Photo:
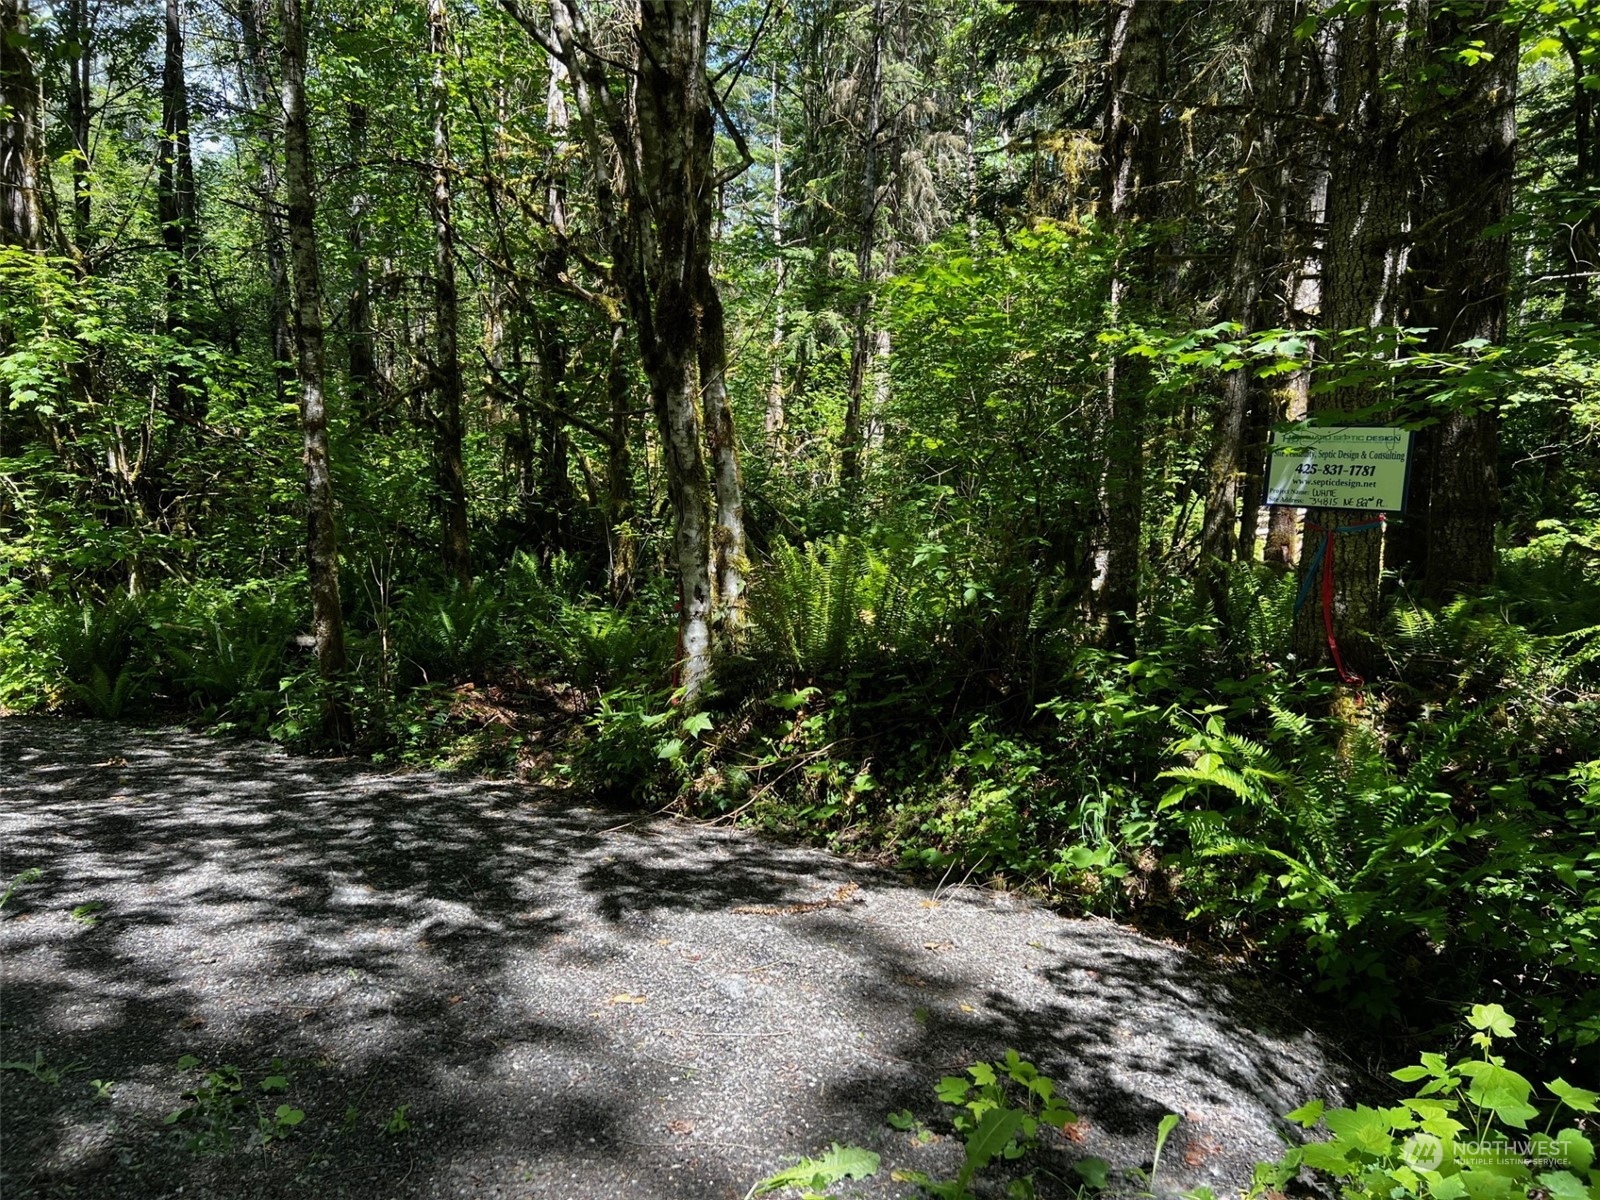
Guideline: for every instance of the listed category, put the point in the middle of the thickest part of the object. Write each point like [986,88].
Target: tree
[1257,232]
[1131,165]
[176,210]
[322,543]
[650,143]
[866,246]
[1460,275]
[1369,222]
[22,181]
[255,70]
[445,417]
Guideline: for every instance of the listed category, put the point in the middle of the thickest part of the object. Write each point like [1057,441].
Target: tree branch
[531,27]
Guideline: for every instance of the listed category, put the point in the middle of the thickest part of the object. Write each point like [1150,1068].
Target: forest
[852,418]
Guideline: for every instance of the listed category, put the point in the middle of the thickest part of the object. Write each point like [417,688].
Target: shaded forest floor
[473,987]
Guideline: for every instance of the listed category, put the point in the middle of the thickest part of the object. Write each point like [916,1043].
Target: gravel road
[557,1001]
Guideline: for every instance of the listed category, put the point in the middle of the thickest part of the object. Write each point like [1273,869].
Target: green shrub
[836,606]
[1368,867]
[1470,1132]
[94,657]
[450,636]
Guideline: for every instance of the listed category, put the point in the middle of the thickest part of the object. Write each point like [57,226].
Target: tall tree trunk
[176,205]
[80,62]
[728,563]
[1460,273]
[774,415]
[448,460]
[1576,254]
[651,145]
[254,18]
[1256,231]
[364,385]
[1132,165]
[619,470]
[1369,198]
[1283,522]
[861,347]
[22,207]
[322,547]
[1304,228]
[552,502]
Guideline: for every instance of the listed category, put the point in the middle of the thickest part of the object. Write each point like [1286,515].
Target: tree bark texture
[22,207]
[365,392]
[866,245]
[322,548]
[650,141]
[175,202]
[621,538]
[1257,228]
[254,18]
[1132,157]
[449,463]
[1460,272]
[80,62]
[773,422]
[1369,226]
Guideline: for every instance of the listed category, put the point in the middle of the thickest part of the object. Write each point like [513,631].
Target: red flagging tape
[1349,678]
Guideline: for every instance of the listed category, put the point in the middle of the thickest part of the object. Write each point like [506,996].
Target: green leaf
[789,700]
[840,1162]
[1564,1185]
[1573,1149]
[1493,1018]
[290,1116]
[993,1134]
[1093,1171]
[1501,1090]
[902,1120]
[982,1074]
[1163,1132]
[1410,1074]
[1306,1115]
[1332,1157]
[952,1089]
[1362,1128]
[275,1083]
[1580,1099]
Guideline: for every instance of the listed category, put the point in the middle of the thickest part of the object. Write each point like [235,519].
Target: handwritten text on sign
[1328,466]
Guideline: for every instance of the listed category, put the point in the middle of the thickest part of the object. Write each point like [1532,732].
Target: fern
[834,607]
[455,635]
[105,696]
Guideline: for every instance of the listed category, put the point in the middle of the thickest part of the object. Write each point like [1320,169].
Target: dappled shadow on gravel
[473,988]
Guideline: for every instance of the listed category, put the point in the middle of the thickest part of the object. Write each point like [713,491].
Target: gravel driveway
[474,989]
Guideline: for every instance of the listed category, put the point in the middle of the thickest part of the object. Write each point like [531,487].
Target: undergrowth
[1442,843]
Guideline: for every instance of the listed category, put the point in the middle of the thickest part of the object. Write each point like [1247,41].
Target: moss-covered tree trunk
[322,544]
